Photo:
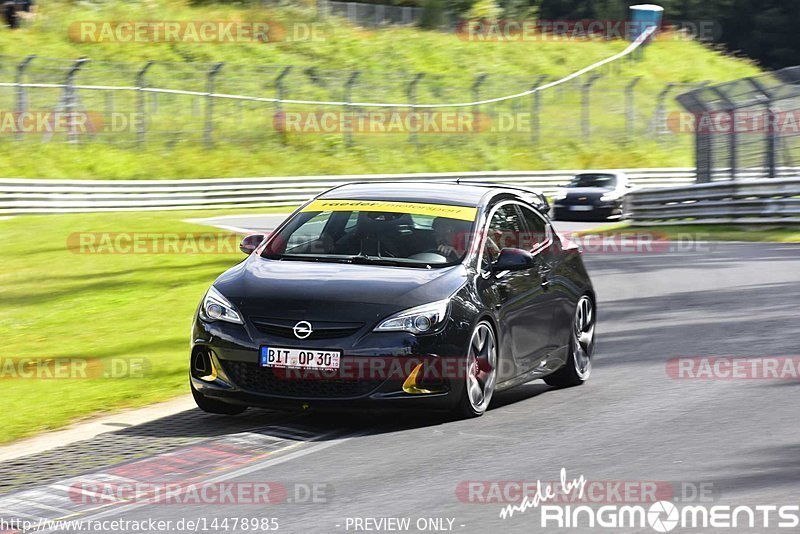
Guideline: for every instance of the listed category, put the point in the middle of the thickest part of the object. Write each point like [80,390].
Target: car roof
[448,193]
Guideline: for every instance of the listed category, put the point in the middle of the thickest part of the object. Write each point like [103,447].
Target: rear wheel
[579,363]
[215,406]
[481,372]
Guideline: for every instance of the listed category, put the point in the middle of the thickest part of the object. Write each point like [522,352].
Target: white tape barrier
[633,46]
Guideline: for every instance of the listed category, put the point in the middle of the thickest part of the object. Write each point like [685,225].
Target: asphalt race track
[737,440]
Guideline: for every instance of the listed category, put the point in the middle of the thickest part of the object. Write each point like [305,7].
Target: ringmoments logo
[661,516]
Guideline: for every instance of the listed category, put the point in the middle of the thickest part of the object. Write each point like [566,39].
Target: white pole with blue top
[644,17]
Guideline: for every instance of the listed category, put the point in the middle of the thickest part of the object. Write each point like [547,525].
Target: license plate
[291,358]
[581,208]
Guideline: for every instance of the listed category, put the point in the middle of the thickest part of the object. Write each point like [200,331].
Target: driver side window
[504,231]
[537,233]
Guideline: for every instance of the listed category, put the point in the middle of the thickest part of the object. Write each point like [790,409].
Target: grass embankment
[247,144]
[59,302]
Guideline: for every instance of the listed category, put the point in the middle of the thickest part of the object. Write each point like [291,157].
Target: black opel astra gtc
[396,295]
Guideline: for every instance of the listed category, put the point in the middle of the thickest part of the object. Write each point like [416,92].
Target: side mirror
[513,259]
[543,206]
[251,242]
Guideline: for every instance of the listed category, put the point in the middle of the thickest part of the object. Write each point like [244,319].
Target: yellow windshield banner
[463,213]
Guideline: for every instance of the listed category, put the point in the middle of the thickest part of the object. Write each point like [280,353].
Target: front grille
[253,377]
[580,199]
[320,330]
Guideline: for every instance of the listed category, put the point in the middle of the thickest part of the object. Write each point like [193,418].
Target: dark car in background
[592,196]
[396,295]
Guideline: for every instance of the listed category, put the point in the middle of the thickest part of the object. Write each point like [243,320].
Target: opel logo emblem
[302,329]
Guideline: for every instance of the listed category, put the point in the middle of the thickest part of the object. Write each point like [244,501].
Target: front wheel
[480,372]
[581,346]
[215,406]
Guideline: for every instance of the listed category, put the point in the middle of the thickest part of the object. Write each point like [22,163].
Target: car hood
[300,290]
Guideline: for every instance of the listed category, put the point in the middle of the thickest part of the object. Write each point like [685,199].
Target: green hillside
[245,141]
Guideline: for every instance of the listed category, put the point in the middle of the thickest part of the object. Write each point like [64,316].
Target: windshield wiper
[379,260]
[304,257]
[361,259]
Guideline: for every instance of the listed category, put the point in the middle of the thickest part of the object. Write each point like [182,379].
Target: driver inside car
[451,237]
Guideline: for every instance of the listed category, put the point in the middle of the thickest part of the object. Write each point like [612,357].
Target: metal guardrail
[739,202]
[22,196]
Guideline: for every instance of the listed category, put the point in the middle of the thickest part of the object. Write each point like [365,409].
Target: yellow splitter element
[464,213]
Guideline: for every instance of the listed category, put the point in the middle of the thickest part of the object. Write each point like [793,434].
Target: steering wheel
[452,255]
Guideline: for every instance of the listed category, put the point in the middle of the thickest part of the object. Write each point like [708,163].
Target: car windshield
[606,181]
[405,234]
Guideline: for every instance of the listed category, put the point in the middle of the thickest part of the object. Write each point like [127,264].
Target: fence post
[347,126]
[71,99]
[729,108]
[536,109]
[280,94]
[586,112]
[771,134]
[660,117]
[22,94]
[770,130]
[380,14]
[630,107]
[476,96]
[323,9]
[208,130]
[141,107]
[411,91]
[109,101]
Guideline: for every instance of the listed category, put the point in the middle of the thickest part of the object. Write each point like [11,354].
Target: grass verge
[59,301]
[247,144]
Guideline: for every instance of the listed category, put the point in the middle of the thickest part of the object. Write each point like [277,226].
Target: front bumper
[606,210]
[375,368]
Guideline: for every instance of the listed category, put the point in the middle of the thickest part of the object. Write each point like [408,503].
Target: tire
[215,406]
[480,372]
[581,346]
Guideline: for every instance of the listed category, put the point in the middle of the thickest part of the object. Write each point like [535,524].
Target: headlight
[560,195]
[608,197]
[215,307]
[417,320]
